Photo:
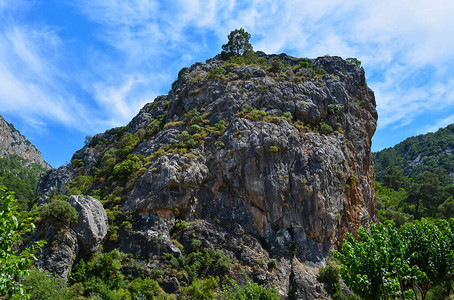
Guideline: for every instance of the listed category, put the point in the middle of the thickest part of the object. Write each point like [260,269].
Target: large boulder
[66,244]
[92,224]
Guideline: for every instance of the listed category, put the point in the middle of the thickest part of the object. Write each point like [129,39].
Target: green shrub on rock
[44,286]
[200,289]
[330,275]
[251,290]
[325,128]
[58,211]
[131,164]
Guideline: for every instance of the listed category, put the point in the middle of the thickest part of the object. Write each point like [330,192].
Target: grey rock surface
[92,224]
[66,244]
[60,251]
[288,185]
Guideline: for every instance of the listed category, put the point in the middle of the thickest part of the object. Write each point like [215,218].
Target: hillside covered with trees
[415,178]
[20,164]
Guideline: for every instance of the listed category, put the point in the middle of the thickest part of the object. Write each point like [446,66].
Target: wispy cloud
[120,101]
[439,124]
[28,85]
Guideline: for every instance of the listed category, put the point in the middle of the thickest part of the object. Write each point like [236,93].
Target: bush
[330,276]
[219,144]
[147,288]
[353,60]
[220,263]
[272,263]
[58,211]
[325,128]
[276,65]
[195,244]
[288,115]
[80,185]
[201,289]
[44,286]
[314,68]
[181,225]
[333,109]
[195,129]
[216,72]
[249,112]
[250,290]
[220,126]
[127,167]
[186,141]
[156,125]
[127,143]
[273,149]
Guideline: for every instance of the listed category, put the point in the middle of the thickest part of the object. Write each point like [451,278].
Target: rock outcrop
[13,142]
[259,162]
[65,244]
[92,224]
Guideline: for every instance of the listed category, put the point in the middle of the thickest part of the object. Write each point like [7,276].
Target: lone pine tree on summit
[238,43]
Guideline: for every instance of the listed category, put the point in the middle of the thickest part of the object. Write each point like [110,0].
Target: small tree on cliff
[238,44]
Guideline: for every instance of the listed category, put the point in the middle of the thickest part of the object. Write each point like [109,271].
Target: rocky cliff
[264,160]
[13,142]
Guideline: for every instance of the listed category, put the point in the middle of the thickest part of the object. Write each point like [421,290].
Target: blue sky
[71,68]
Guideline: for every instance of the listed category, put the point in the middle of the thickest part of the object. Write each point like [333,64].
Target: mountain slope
[415,155]
[20,163]
[260,161]
[13,142]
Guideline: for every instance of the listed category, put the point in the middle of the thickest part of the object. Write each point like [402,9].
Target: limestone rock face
[92,223]
[259,164]
[65,244]
[13,142]
[60,251]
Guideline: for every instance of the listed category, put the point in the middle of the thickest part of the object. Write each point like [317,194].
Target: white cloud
[123,100]
[27,83]
[439,124]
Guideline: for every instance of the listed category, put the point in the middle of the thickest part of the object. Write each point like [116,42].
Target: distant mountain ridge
[414,155]
[13,142]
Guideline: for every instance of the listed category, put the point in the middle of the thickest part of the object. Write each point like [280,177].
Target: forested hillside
[20,164]
[19,176]
[415,155]
[415,178]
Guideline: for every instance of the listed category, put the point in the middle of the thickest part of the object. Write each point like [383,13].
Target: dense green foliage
[44,286]
[389,263]
[104,276]
[251,290]
[402,199]
[14,264]
[58,212]
[414,178]
[19,176]
[330,276]
[116,275]
[238,43]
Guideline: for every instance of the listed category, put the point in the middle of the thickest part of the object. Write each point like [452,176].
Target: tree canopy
[14,264]
[238,43]
[386,263]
